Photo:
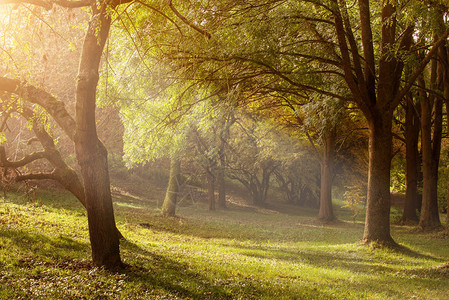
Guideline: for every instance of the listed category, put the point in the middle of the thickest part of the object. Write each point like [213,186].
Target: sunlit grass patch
[232,254]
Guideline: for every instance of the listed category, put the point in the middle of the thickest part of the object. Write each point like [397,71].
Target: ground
[244,252]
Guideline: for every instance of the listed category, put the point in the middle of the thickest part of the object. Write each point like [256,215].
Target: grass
[240,253]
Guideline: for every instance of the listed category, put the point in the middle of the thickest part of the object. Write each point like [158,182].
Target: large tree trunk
[377,223]
[169,205]
[90,152]
[379,113]
[412,162]
[326,212]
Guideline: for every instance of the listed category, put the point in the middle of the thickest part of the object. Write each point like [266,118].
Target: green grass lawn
[240,253]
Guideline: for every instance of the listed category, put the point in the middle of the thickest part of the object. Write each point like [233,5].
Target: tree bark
[377,107]
[211,191]
[169,205]
[444,59]
[90,151]
[66,175]
[221,179]
[430,218]
[326,212]
[412,162]
[377,222]
[445,64]
[379,113]
[227,121]
[429,210]
[256,193]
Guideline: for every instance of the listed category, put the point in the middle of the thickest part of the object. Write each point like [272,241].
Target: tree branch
[161,13]
[49,4]
[421,66]
[53,106]
[5,163]
[289,80]
[184,19]
[37,176]
[45,4]
[74,4]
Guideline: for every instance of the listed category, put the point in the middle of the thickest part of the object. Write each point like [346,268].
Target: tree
[431,147]
[211,135]
[324,120]
[254,156]
[61,172]
[374,79]
[91,153]
[169,205]
[412,126]
[299,173]
[376,98]
[157,127]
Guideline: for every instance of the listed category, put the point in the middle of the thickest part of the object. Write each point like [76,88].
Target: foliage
[298,175]
[354,198]
[398,174]
[256,151]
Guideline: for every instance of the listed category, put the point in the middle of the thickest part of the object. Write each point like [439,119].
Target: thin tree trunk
[90,151]
[211,191]
[412,160]
[445,64]
[377,223]
[169,205]
[256,197]
[444,57]
[221,181]
[255,193]
[265,185]
[228,121]
[429,211]
[430,150]
[326,212]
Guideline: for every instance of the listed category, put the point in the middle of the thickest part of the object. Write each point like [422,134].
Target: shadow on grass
[157,272]
[56,199]
[384,277]
[352,260]
[178,278]
[401,249]
[36,244]
[259,231]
